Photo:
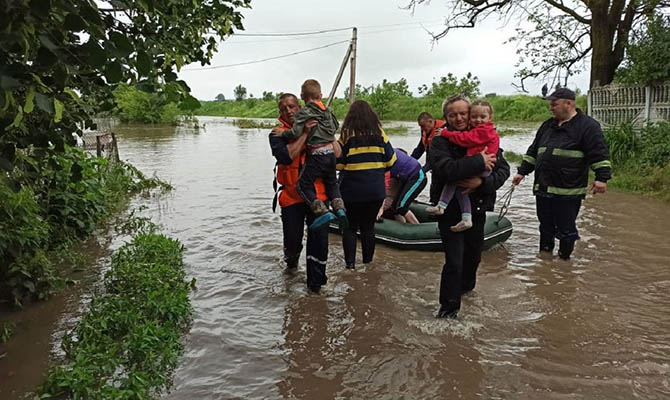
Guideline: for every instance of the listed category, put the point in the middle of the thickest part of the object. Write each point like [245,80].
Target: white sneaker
[464,225]
[435,210]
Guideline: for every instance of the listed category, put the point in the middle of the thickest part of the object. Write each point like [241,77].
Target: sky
[393,43]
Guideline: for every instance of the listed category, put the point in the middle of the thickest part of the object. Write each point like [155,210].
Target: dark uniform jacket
[561,157]
[449,164]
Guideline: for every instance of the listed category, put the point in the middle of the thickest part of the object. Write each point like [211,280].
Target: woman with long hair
[366,155]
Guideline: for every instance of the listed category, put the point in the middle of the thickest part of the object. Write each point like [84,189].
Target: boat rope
[505,201]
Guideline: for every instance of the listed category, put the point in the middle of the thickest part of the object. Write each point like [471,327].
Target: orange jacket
[426,139]
[287,176]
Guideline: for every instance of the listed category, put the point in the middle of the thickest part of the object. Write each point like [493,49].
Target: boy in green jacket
[320,161]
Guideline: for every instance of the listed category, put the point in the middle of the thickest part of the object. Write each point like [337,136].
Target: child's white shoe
[435,210]
[464,225]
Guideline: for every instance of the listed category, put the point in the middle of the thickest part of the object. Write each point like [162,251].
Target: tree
[267,96]
[648,54]
[240,92]
[220,97]
[360,91]
[60,60]
[450,85]
[382,95]
[556,36]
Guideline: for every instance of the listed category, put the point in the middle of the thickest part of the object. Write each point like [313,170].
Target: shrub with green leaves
[128,342]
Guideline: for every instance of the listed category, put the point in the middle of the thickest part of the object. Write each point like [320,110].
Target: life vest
[427,138]
[287,176]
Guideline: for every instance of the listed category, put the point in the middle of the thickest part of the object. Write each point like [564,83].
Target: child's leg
[305,187]
[466,212]
[448,192]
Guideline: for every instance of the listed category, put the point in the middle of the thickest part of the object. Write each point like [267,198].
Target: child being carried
[320,161]
[482,135]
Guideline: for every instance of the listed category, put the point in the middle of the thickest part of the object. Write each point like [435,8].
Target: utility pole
[352,66]
[349,57]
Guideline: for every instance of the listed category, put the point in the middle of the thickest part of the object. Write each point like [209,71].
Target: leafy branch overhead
[557,37]
[55,54]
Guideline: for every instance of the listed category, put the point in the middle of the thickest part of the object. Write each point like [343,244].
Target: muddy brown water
[597,327]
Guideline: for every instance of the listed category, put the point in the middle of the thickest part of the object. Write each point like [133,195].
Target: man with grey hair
[450,165]
[564,148]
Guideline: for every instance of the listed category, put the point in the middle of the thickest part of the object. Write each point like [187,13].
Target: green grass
[128,342]
[396,130]
[252,124]
[515,108]
[513,157]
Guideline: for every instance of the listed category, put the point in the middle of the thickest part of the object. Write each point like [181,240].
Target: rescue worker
[449,163]
[564,148]
[295,213]
[429,127]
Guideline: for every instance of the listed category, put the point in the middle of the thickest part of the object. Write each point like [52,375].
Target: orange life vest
[287,177]
[427,138]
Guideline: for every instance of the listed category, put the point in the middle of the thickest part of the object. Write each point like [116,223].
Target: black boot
[565,248]
[449,311]
[547,243]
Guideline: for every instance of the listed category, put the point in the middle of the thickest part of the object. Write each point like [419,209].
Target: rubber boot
[322,221]
[565,248]
[547,243]
[338,207]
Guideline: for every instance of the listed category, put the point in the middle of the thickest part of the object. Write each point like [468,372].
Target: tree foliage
[220,97]
[60,60]
[240,92]
[449,85]
[381,96]
[556,37]
[648,54]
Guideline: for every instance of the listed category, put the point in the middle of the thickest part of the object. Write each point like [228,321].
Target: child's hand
[308,126]
[277,131]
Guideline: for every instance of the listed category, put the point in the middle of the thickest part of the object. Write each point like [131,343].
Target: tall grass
[641,158]
[506,108]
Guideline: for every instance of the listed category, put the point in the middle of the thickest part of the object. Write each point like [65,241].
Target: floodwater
[596,327]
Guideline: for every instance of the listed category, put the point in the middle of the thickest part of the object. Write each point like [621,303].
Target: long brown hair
[362,123]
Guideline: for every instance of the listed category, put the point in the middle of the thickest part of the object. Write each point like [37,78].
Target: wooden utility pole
[352,66]
[349,57]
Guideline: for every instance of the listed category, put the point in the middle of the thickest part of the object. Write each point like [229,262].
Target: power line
[331,30]
[266,59]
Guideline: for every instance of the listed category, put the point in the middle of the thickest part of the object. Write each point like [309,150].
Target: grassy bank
[128,342]
[48,205]
[507,108]
[641,159]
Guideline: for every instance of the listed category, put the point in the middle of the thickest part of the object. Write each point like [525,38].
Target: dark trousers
[462,254]
[293,224]
[408,192]
[557,217]
[361,215]
[318,166]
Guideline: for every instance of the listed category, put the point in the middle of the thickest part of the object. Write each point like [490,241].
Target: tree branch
[569,11]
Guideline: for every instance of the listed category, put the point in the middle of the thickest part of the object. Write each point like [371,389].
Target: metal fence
[103,142]
[616,104]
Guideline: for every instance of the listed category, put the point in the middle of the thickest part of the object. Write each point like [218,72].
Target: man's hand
[468,185]
[308,126]
[489,159]
[277,131]
[598,187]
[517,179]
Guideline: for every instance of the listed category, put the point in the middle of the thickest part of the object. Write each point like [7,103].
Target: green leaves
[44,103]
[96,55]
[30,100]
[74,23]
[113,72]
[143,63]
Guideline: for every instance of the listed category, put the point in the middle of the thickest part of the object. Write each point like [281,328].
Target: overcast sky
[403,50]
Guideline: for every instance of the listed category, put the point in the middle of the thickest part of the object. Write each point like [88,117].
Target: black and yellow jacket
[562,155]
[362,169]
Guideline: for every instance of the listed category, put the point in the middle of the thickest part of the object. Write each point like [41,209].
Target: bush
[63,198]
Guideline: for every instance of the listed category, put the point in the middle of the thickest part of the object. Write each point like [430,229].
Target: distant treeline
[506,108]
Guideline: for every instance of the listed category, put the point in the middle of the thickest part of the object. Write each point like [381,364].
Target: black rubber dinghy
[426,235]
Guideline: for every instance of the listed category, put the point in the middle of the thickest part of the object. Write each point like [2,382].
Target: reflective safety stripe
[412,189]
[601,164]
[562,191]
[366,165]
[528,159]
[366,150]
[567,153]
[312,258]
[566,191]
[541,150]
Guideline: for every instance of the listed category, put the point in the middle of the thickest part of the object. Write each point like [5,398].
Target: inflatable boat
[426,235]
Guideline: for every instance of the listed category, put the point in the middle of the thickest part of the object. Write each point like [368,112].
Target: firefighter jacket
[562,155]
